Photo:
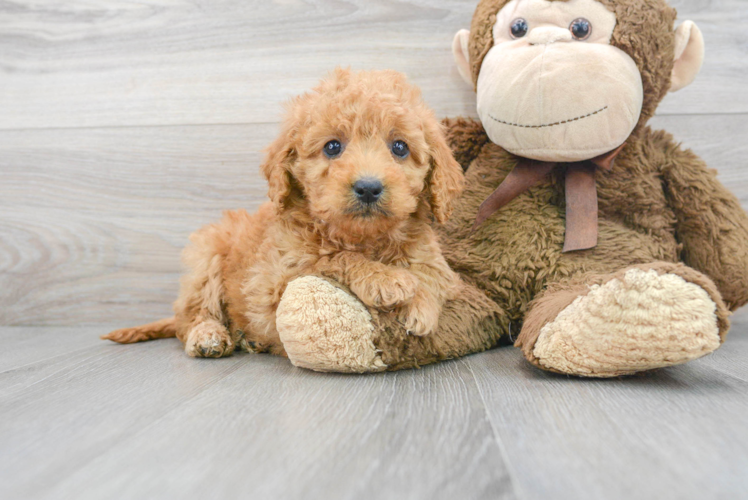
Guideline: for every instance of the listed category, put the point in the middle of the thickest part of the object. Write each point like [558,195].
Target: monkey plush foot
[326,329]
[639,320]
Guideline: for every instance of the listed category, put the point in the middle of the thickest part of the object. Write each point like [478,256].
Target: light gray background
[126,125]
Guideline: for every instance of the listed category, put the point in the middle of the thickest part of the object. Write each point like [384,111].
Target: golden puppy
[360,165]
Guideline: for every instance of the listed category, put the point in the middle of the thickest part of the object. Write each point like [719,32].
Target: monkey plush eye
[519,28]
[580,28]
[400,149]
[333,149]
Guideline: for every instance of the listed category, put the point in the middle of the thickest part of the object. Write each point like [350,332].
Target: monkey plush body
[560,83]
[661,214]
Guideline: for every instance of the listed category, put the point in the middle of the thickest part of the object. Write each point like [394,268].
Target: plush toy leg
[641,318]
[467,324]
[325,328]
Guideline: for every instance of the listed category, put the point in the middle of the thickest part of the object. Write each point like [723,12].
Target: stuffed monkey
[599,245]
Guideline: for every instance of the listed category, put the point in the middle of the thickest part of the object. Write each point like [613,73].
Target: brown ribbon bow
[581,195]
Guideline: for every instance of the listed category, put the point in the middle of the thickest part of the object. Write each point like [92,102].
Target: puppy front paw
[209,339]
[420,317]
[387,290]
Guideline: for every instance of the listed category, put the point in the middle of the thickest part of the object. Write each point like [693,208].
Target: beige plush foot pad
[323,328]
[643,321]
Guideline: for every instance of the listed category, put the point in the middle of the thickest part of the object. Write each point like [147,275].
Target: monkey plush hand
[606,246]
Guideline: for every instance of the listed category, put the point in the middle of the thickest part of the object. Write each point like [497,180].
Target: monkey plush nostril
[368,190]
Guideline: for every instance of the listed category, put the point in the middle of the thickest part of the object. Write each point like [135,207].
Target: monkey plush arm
[711,226]
[465,137]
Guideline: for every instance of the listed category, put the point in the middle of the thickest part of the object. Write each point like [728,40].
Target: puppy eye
[400,149]
[519,28]
[333,149]
[581,29]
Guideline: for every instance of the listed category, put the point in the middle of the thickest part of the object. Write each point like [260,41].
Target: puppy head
[363,152]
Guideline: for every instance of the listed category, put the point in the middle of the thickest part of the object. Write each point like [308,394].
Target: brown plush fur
[659,206]
[387,255]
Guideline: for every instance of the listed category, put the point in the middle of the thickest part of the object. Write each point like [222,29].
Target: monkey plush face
[552,87]
[560,80]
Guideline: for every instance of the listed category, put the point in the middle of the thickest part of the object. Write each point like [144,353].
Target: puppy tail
[161,329]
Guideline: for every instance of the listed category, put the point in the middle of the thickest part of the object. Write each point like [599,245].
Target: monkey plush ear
[689,55]
[277,169]
[446,181]
[462,55]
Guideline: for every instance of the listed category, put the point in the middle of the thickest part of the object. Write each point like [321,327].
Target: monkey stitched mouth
[550,124]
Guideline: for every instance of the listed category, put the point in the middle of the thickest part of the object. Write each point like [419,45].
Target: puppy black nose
[368,190]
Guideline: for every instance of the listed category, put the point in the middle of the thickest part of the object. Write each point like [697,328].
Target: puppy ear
[447,180]
[276,168]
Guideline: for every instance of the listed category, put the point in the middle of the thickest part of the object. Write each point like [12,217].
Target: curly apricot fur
[386,253]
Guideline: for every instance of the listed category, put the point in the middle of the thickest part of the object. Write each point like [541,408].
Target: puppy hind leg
[209,339]
[201,321]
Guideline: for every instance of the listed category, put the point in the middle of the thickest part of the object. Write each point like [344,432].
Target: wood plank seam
[497,438]
[124,437]
[56,356]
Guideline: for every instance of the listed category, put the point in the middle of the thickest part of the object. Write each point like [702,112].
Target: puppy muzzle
[368,196]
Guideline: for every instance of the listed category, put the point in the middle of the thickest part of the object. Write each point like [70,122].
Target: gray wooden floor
[126,125]
[82,419]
